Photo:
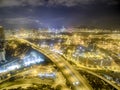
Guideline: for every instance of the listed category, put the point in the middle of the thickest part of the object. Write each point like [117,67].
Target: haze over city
[58,13]
[59,45]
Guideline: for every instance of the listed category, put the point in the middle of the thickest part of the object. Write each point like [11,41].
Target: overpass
[77,82]
[68,70]
[97,75]
[75,79]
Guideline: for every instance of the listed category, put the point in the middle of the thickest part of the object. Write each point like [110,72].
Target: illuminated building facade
[2,44]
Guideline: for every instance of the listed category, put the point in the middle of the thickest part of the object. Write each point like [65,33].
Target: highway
[96,75]
[22,80]
[74,78]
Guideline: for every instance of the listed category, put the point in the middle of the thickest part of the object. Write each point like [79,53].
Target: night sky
[15,14]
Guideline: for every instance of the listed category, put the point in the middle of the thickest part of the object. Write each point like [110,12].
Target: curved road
[94,74]
[75,79]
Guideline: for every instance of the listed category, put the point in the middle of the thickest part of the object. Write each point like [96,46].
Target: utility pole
[2,44]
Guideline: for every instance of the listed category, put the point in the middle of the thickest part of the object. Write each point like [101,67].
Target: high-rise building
[2,44]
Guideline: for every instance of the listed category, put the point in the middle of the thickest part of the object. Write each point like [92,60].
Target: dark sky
[58,13]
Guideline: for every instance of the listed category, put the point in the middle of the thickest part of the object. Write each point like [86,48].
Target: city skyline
[59,45]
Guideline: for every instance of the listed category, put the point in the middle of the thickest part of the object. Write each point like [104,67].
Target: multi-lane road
[97,75]
[77,82]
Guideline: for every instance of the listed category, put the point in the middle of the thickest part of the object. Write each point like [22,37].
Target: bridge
[72,76]
[97,75]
